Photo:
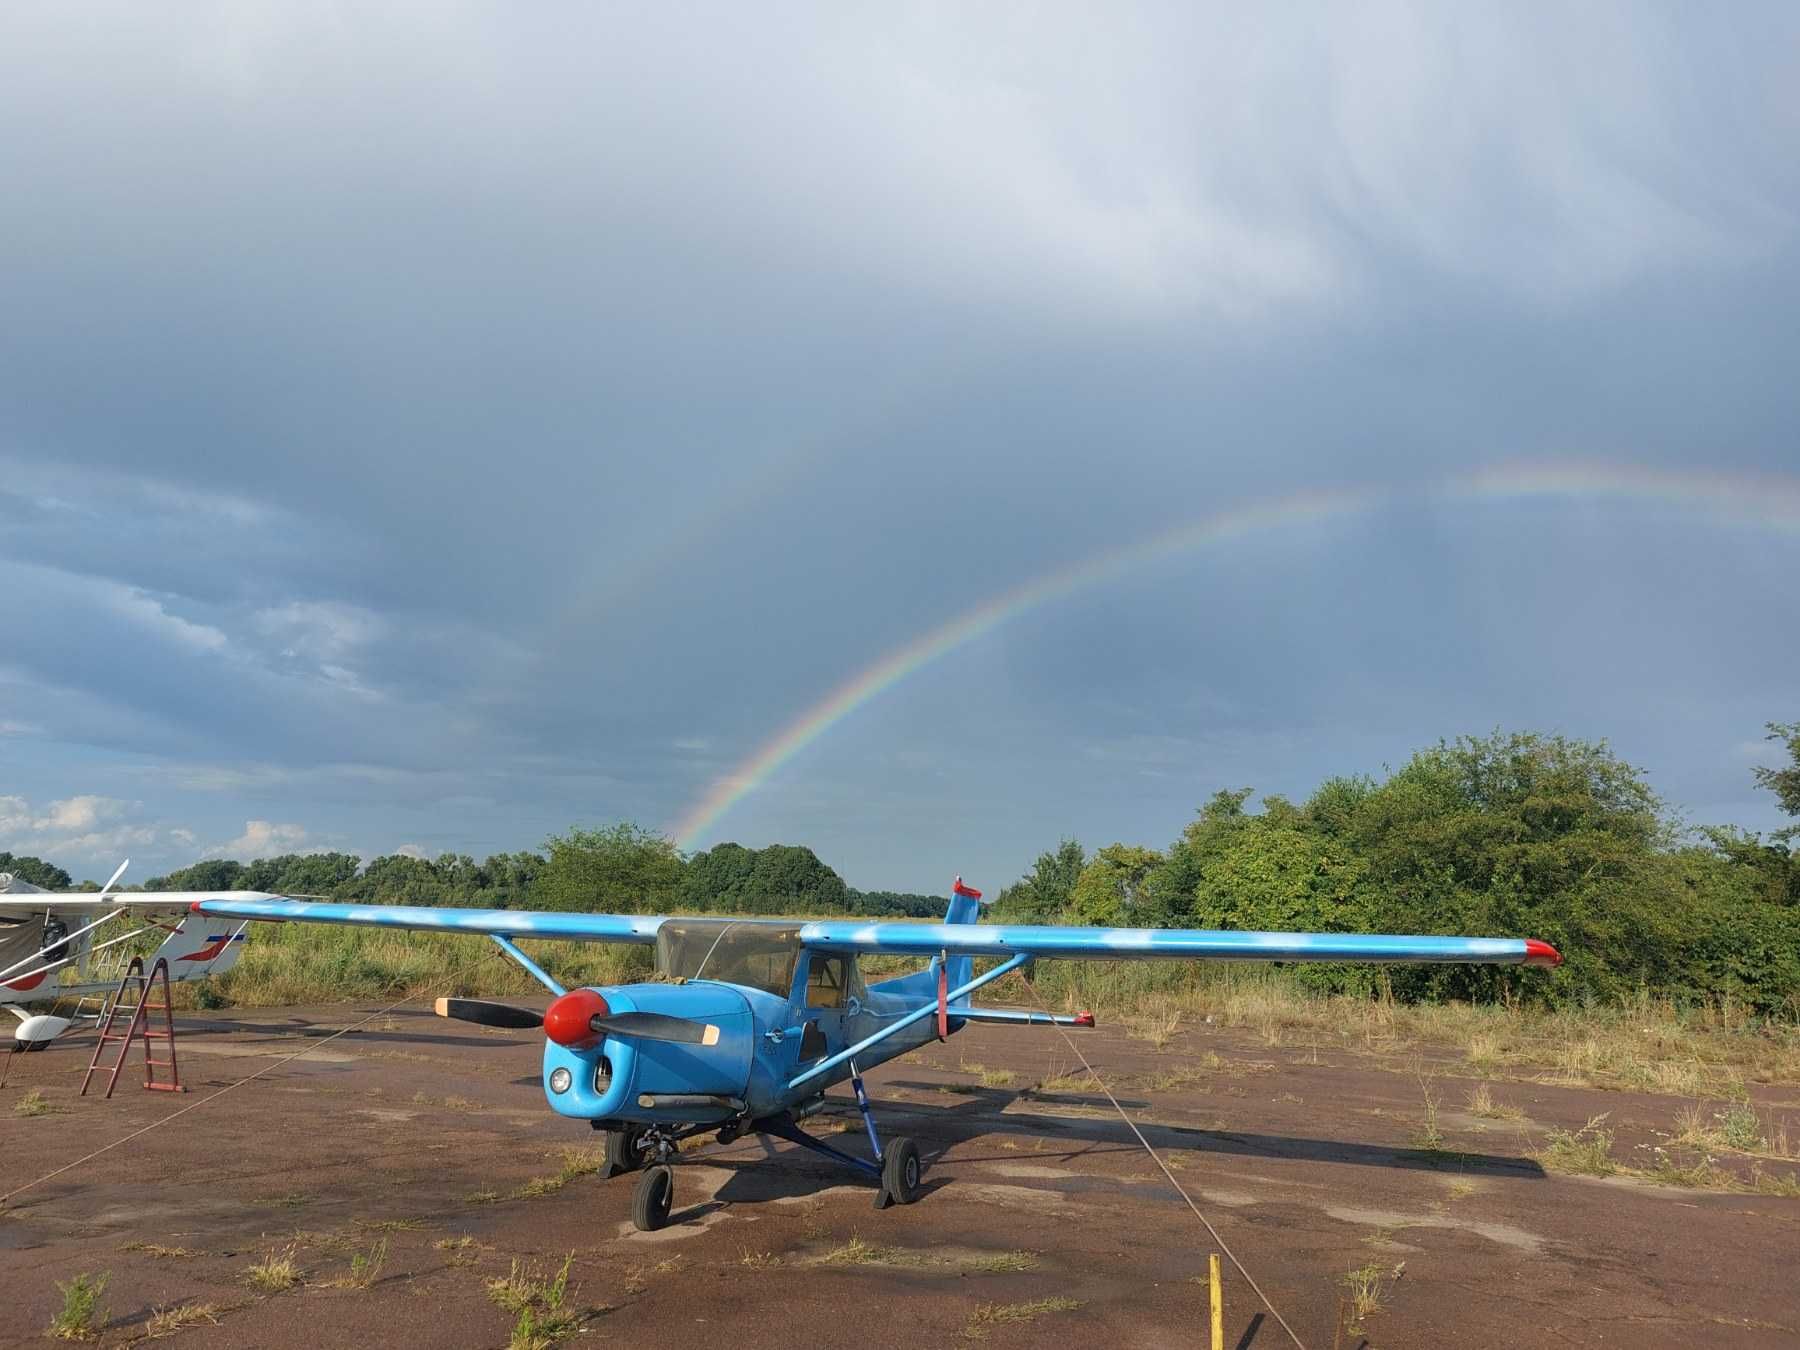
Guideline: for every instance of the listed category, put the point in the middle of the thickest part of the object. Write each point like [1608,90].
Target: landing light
[560,1080]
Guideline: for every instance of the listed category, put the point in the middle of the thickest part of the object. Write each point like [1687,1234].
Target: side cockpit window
[825,982]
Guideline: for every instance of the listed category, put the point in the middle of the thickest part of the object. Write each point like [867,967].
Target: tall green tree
[1784,782]
[1043,893]
[616,869]
[36,872]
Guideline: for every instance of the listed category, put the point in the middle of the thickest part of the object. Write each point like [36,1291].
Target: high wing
[1169,944]
[922,939]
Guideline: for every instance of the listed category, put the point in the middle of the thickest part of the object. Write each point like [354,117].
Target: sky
[924,433]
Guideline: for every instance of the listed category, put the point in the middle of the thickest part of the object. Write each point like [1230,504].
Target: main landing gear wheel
[899,1174]
[624,1152]
[650,1202]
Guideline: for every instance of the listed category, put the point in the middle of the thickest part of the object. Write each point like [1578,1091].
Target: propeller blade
[486,1014]
[645,1026]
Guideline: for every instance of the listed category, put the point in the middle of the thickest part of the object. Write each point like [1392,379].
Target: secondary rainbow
[1758,502]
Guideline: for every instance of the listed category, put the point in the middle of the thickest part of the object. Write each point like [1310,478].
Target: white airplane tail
[199,947]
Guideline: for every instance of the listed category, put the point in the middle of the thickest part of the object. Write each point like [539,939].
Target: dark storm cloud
[437,425]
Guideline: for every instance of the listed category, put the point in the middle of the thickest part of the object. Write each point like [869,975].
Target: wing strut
[918,1014]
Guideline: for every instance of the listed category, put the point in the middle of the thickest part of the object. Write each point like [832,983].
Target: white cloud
[148,612]
[411,851]
[83,828]
[261,839]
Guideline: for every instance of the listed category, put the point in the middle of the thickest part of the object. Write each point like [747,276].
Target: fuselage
[765,1038]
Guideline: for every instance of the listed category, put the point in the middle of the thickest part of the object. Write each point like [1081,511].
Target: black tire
[623,1152]
[650,1202]
[900,1172]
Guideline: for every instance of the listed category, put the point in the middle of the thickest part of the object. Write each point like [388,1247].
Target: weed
[292,1200]
[856,1252]
[461,1243]
[1157,1024]
[35,1103]
[1366,1292]
[758,1260]
[1429,1136]
[81,1315]
[168,1321]
[577,1162]
[275,1272]
[158,1250]
[481,1197]
[638,1278]
[990,1315]
[1585,1152]
[1173,1080]
[1483,1050]
[544,1318]
[365,1267]
[389,1225]
[1482,1103]
[1774,1183]
[1002,1263]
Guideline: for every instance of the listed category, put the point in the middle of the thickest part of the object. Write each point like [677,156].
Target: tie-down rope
[1157,1158]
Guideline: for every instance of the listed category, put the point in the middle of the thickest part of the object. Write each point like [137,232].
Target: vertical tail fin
[965,907]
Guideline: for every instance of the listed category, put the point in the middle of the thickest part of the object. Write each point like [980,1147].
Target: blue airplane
[749,1021]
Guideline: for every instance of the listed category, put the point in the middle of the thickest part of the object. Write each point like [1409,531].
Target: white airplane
[52,945]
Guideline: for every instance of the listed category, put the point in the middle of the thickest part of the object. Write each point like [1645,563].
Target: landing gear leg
[899,1163]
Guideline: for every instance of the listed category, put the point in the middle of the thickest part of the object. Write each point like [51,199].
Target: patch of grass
[1158,1023]
[1366,1291]
[481,1197]
[1775,1183]
[1061,1079]
[389,1225]
[1584,1152]
[638,1278]
[157,1249]
[544,1317]
[1173,1080]
[1483,1050]
[990,1078]
[292,1200]
[461,1243]
[856,1252]
[1429,1136]
[576,1163]
[277,1271]
[35,1103]
[168,1321]
[1002,1263]
[990,1315]
[758,1260]
[1482,1103]
[365,1268]
[81,1316]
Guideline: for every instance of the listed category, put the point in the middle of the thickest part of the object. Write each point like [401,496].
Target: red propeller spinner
[569,1020]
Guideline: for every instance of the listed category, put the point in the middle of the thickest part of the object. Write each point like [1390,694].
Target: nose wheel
[651,1199]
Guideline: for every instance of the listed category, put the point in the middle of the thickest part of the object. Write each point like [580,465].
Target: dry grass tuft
[990,1315]
[1366,1291]
[168,1321]
[544,1317]
[276,1272]
[1585,1152]
[856,1252]
[35,1103]
[157,1249]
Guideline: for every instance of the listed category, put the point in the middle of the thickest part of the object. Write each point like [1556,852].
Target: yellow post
[1218,1303]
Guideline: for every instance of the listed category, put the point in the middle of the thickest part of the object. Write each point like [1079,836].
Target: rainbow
[1767,503]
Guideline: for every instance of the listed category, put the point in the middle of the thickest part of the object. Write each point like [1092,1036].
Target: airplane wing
[93,903]
[511,923]
[923,939]
[1170,944]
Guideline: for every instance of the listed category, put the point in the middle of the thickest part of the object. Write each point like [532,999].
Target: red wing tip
[194,908]
[1084,1019]
[1541,953]
[969,891]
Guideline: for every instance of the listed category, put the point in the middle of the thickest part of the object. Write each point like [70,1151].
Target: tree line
[1505,835]
[1511,834]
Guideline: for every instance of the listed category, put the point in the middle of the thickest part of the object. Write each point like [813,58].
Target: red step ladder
[139,1027]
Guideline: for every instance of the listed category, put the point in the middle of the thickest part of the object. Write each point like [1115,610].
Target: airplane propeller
[579,1019]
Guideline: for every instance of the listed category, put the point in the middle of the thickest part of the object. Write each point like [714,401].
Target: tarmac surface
[1043,1223]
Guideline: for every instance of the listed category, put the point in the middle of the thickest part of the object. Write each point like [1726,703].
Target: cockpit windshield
[737,951]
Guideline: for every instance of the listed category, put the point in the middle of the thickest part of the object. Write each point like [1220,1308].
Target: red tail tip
[969,891]
[1541,953]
